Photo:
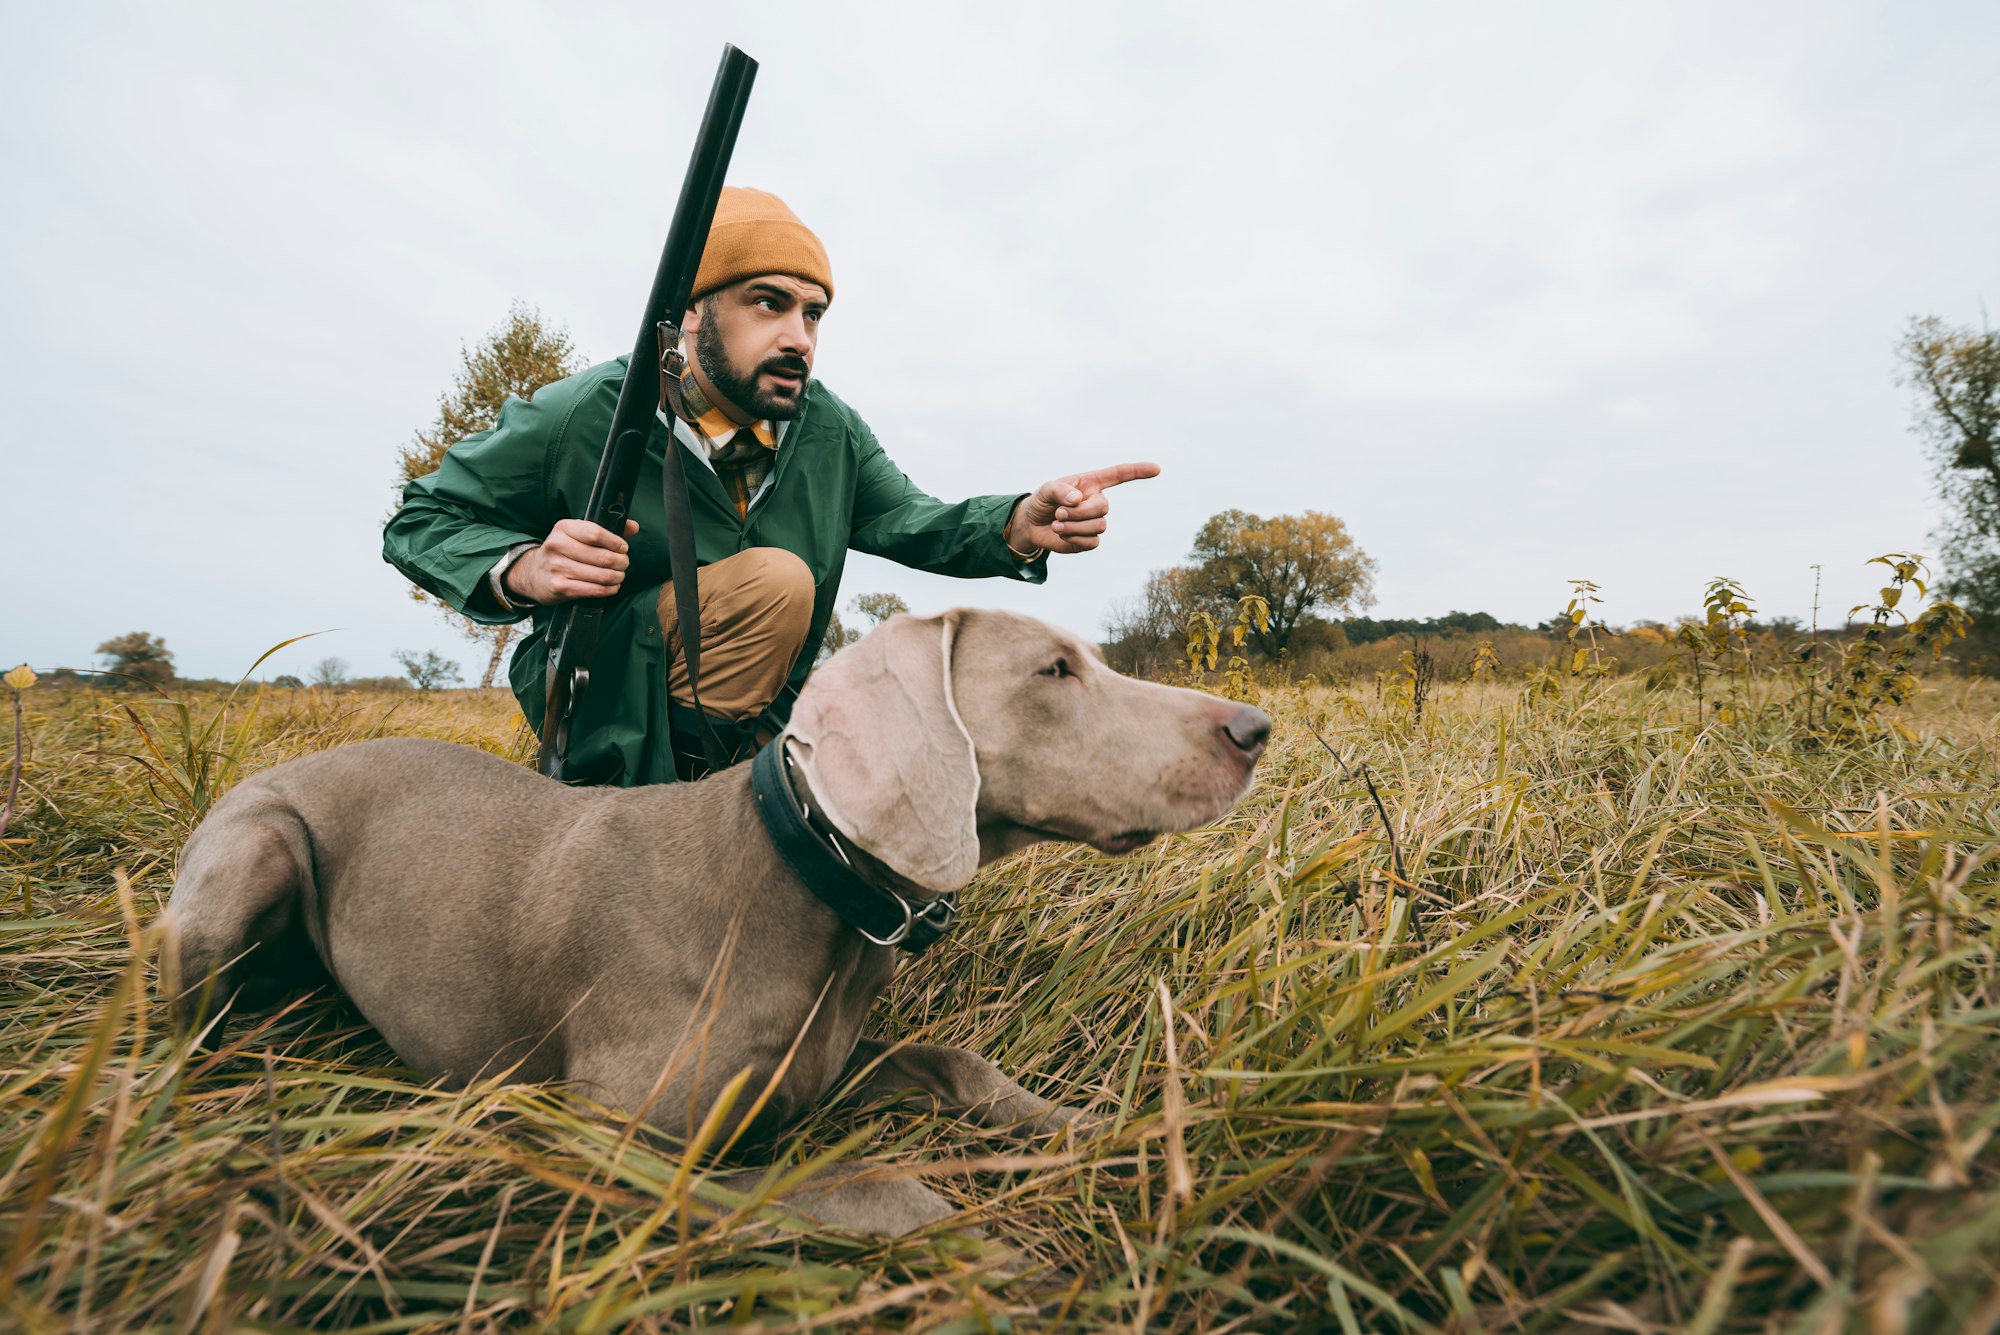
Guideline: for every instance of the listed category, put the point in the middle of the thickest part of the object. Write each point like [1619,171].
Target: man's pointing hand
[1067,514]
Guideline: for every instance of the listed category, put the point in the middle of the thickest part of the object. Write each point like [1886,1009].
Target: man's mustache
[786,366]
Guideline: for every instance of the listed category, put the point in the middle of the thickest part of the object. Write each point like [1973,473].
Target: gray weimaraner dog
[650,944]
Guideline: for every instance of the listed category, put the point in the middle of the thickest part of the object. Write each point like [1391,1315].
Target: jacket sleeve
[894,518]
[490,493]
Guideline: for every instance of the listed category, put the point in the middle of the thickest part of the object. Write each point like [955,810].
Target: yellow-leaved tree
[1298,564]
[511,362]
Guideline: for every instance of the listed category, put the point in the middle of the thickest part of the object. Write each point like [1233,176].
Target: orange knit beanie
[754,233]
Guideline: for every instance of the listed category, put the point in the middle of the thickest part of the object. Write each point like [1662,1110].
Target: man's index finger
[1110,477]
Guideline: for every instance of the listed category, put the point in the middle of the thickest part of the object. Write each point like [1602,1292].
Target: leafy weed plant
[1877,672]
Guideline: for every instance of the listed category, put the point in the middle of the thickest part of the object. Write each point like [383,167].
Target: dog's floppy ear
[888,757]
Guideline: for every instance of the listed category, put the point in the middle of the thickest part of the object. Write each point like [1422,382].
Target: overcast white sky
[1522,292]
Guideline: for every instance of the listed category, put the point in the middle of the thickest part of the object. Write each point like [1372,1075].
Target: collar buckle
[921,927]
[939,913]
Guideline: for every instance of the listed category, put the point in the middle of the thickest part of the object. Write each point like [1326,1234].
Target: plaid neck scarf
[742,456]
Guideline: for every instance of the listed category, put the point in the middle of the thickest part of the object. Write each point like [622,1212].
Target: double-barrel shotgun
[652,387]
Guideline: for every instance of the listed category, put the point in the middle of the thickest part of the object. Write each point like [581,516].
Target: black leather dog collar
[883,916]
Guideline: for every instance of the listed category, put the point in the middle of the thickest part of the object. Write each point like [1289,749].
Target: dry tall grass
[1682,1031]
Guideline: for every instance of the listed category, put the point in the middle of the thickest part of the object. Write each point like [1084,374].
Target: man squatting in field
[790,477]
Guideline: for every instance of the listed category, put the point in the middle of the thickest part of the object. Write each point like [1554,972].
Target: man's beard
[741,390]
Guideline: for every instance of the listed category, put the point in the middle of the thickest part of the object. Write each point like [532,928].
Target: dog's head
[938,743]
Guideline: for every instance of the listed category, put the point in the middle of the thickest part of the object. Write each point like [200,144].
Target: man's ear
[879,737]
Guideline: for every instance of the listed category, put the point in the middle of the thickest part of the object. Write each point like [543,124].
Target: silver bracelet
[496,579]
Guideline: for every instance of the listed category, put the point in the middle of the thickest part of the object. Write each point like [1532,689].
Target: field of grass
[1663,1030]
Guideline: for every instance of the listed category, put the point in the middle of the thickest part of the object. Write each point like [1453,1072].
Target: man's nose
[796,336]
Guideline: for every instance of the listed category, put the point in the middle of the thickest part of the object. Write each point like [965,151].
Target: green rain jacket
[831,488]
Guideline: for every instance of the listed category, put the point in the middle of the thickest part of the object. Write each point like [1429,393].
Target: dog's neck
[878,903]
[865,864]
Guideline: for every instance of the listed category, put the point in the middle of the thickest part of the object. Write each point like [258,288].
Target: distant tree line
[142,659]
[1367,630]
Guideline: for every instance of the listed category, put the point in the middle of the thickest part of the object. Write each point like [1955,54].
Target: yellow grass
[1670,1029]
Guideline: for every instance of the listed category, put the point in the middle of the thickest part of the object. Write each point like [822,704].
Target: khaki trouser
[756,607]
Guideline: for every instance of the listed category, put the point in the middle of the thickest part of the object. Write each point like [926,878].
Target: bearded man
[783,478]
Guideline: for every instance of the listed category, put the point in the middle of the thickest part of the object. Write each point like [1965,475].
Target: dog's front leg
[954,1081]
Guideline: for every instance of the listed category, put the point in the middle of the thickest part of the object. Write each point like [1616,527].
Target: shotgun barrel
[575,626]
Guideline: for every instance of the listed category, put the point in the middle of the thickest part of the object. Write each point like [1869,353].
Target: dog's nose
[1247,728]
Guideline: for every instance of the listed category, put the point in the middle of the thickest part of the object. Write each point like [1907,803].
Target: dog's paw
[1075,1124]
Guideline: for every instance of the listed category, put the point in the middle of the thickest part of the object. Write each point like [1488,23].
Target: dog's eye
[1059,668]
